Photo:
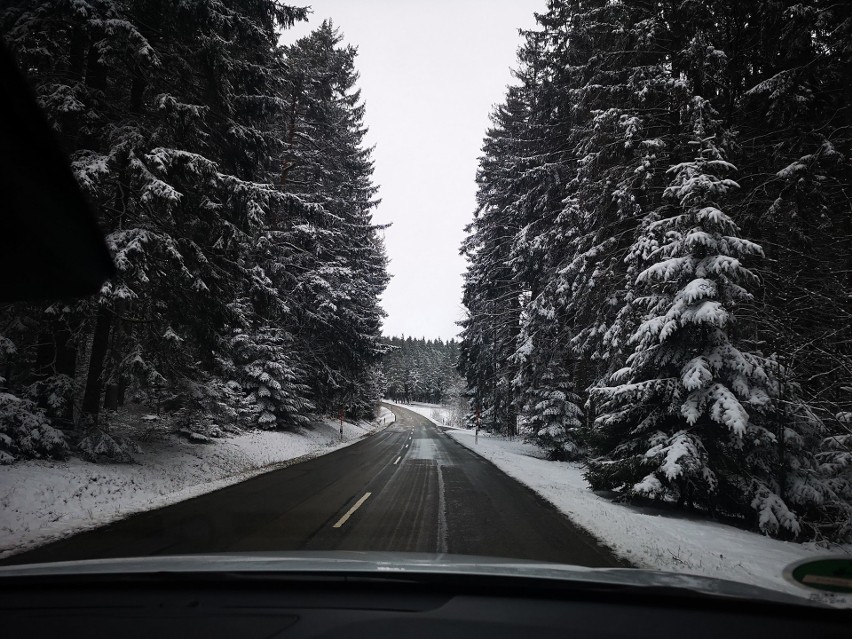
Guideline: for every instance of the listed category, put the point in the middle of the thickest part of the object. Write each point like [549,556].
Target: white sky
[430,73]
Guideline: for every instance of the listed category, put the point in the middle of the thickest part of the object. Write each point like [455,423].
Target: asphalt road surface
[408,488]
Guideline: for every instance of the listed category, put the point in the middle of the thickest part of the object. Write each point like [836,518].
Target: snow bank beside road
[647,539]
[41,501]
[385,416]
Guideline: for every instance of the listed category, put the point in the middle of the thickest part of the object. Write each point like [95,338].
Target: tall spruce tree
[338,249]
[492,291]
[688,416]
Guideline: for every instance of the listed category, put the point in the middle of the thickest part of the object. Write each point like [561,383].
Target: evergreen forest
[660,262]
[421,370]
[231,179]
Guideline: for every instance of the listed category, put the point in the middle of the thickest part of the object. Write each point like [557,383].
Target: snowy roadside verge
[42,501]
[435,413]
[646,538]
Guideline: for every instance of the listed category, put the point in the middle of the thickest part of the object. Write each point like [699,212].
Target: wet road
[408,488]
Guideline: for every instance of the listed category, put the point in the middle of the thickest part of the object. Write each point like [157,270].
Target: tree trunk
[122,389]
[66,362]
[77,52]
[92,396]
[95,71]
[513,419]
[113,375]
[291,132]
[45,355]
[111,396]
[66,352]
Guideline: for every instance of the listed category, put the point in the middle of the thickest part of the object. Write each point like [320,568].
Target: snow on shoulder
[647,538]
[42,501]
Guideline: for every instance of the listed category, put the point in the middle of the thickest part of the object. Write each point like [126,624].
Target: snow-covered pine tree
[614,74]
[167,111]
[791,103]
[601,125]
[584,173]
[550,409]
[552,417]
[79,57]
[276,393]
[492,291]
[337,249]
[690,414]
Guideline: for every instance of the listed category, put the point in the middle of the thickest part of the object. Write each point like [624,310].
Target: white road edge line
[397,460]
[352,510]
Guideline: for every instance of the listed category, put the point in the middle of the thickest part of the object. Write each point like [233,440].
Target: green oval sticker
[831,574]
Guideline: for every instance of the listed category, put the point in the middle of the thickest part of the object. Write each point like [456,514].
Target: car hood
[385,564]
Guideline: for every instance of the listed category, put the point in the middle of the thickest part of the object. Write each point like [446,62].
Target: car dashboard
[255,606]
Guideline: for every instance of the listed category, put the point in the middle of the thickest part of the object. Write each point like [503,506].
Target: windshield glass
[532,280]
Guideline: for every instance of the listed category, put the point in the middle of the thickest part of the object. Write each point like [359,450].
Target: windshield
[536,280]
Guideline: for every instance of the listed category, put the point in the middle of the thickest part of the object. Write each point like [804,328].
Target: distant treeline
[420,370]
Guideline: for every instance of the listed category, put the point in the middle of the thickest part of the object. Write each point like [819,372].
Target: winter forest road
[408,488]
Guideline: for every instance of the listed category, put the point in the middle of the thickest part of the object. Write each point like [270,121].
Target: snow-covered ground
[436,413]
[646,538]
[41,501]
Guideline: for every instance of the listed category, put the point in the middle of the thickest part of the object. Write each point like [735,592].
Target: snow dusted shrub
[553,417]
[26,433]
[56,392]
[100,446]
[217,407]
[367,401]
[550,408]
[265,371]
[691,416]
[97,445]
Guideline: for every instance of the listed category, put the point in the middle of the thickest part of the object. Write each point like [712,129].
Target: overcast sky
[430,73]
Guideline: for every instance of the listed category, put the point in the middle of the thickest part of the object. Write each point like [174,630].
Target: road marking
[397,460]
[350,512]
[442,511]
